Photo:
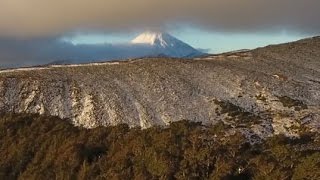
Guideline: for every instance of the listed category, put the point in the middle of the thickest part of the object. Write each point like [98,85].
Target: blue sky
[216,42]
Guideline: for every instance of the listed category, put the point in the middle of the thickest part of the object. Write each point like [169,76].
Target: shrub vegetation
[39,147]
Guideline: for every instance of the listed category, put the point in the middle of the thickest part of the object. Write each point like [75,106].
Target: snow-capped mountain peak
[164,43]
[153,38]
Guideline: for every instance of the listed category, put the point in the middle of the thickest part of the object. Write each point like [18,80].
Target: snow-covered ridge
[56,66]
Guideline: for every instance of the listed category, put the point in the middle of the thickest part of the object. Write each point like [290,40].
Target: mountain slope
[268,89]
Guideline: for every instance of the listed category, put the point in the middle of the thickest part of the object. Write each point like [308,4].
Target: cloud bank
[49,18]
[15,53]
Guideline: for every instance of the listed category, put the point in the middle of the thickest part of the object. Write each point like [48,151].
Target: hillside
[265,91]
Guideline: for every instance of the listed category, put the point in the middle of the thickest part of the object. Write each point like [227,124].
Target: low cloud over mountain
[44,51]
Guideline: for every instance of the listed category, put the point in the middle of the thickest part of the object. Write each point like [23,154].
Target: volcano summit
[165,44]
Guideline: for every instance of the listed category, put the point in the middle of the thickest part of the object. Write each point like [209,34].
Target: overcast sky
[26,26]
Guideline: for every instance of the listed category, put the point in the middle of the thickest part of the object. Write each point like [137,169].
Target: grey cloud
[36,18]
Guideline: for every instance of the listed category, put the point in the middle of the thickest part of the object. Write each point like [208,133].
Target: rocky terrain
[270,90]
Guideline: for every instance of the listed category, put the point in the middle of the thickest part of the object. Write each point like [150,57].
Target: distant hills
[148,44]
[39,52]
